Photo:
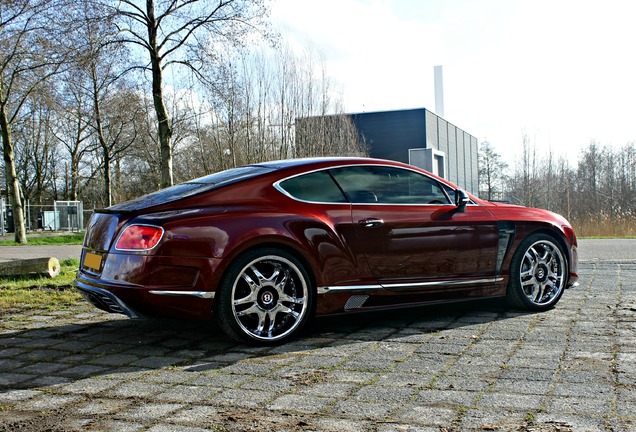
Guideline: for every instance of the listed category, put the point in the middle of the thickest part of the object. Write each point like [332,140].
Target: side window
[389,185]
[314,187]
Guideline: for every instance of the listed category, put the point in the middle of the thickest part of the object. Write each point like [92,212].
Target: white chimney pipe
[439,91]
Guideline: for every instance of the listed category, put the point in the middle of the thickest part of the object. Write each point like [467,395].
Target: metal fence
[60,216]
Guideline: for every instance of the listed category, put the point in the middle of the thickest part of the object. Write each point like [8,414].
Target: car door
[412,235]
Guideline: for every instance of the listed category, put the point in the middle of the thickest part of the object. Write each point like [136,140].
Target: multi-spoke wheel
[266,297]
[538,273]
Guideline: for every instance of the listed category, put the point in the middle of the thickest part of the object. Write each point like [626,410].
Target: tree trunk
[108,193]
[165,128]
[13,185]
[100,136]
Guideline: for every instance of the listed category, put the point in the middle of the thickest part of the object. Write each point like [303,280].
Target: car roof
[287,163]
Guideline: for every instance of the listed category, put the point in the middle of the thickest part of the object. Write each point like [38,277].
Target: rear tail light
[139,237]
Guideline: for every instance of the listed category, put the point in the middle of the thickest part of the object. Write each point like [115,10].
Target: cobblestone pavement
[469,367]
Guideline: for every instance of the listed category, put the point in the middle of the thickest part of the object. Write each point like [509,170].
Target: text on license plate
[92,260]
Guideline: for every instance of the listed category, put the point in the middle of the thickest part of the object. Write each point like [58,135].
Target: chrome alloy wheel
[269,298]
[542,274]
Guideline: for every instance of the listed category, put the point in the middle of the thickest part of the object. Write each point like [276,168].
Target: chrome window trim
[279,188]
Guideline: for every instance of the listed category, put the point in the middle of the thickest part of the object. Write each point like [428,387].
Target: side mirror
[461,199]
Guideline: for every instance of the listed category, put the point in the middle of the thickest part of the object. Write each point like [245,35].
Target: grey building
[421,138]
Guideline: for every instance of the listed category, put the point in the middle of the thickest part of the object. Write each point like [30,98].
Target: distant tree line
[597,192]
[105,100]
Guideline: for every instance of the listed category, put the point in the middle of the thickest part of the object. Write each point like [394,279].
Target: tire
[538,274]
[265,298]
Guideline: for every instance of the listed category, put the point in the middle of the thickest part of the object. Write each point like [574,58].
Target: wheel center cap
[267,299]
[541,273]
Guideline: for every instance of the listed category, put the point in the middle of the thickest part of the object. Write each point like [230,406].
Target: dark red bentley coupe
[262,248]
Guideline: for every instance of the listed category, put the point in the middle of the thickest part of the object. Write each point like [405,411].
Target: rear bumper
[106,300]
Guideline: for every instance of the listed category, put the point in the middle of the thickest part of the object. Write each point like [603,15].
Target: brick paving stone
[220,380]
[492,419]
[454,368]
[397,427]
[169,376]
[173,428]
[578,405]
[157,362]
[342,425]
[525,386]
[9,380]
[306,404]
[149,411]
[511,401]
[42,368]
[353,376]
[47,381]
[88,386]
[467,383]
[433,397]
[338,390]
[137,389]
[194,414]
[264,383]
[102,406]
[581,423]
[356,409]
[388,394]
[244,398]
[115,360]
[412,379]
[187,394]
[426,415]
[18,395]
[45,402]
[10,364]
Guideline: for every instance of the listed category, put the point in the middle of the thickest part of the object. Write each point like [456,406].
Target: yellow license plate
[92,260]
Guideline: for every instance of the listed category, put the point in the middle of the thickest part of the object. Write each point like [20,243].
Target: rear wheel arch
[275,244]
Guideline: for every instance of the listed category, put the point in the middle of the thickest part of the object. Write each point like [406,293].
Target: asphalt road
[590,250]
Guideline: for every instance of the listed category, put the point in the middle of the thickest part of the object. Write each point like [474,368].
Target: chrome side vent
[355,302]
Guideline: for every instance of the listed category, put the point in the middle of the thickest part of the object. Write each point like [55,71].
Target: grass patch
[18,293]
[602,227]
[66,239]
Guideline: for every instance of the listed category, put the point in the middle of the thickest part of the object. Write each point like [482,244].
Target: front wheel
[266,297]
[538,274]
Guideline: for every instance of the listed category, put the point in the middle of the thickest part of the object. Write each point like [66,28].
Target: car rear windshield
[192,187]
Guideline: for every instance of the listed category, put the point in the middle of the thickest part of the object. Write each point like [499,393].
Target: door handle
[371,222]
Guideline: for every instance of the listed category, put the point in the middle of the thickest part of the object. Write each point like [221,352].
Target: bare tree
[73,129]
[35,151]
[492,171]
[172,32]
[28,58]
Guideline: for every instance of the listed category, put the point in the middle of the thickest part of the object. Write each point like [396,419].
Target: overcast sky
[563,72]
